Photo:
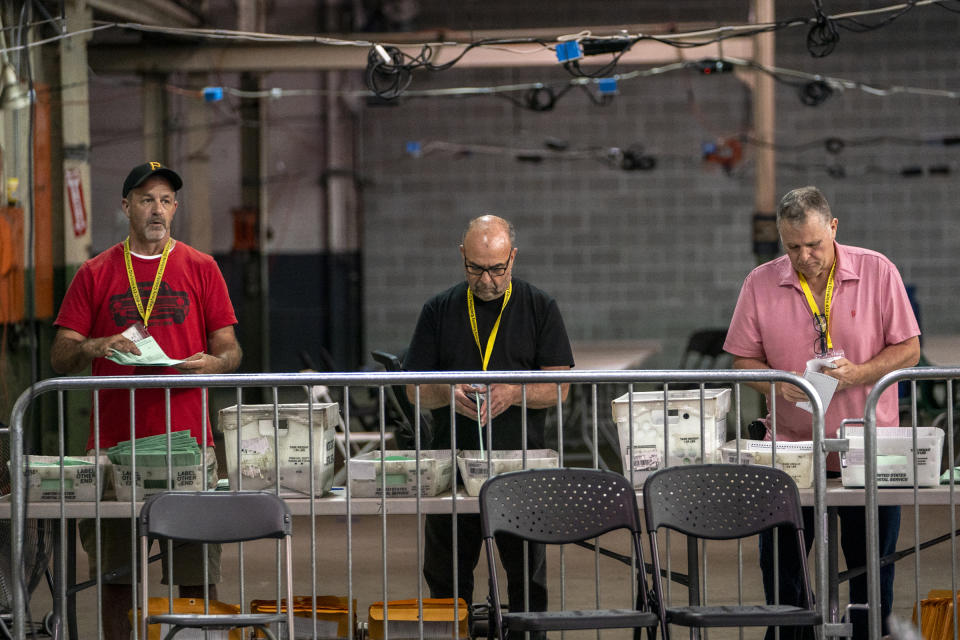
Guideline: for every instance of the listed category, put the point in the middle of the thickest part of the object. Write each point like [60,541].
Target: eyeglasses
[820,344]
[495,271]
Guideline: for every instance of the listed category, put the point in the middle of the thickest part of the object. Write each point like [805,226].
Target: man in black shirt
[490,322]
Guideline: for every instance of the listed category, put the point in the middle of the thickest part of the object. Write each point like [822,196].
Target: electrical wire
[427,49]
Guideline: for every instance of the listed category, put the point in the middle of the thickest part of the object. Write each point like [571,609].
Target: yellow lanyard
[496,326]
[824,319]
[135,290]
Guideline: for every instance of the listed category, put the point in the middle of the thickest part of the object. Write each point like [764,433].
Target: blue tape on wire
[607,86]
[212,94]
[569,50]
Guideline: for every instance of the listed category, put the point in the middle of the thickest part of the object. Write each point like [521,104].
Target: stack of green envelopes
[151,451]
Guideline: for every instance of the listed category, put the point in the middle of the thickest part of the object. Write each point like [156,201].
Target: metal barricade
[345,504]
[917,496]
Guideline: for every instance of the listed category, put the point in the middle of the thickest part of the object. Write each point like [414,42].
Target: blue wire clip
[607,86]
[569,50]
[212,94]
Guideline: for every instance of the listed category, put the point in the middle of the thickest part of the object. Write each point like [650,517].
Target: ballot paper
[824,384]
[151,355]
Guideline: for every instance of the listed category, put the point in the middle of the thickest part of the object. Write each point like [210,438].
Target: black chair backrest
[404,417]
[389,361]
[557,506]
[215,516]
[704,348]
[721,501]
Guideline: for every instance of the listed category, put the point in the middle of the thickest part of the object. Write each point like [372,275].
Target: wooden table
[942,350]
[613,355]
[600,355]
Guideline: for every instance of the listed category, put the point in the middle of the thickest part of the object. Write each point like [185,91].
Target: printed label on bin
[252,471]
[477,467]
[900,477]
[255,446]
[645,458]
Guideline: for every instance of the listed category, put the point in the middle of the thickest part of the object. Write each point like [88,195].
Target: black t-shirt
[531,336]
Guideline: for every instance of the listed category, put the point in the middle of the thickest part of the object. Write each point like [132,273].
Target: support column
[255,310]
[75,115]
[344,302]
[199,220]
[765,236]
[155,118]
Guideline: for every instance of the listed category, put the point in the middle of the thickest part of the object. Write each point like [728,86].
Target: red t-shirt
[191,304]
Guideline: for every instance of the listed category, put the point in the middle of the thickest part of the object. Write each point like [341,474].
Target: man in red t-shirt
[180,297]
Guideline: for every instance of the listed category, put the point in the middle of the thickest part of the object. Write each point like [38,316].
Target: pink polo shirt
[870,310]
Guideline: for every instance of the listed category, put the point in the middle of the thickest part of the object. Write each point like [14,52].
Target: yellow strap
[135,290]
[827,297]
[496,326]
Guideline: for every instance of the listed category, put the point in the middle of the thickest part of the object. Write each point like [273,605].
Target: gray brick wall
[658,254]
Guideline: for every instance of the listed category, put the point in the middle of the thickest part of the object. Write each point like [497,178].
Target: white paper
[150,355]
[824,384]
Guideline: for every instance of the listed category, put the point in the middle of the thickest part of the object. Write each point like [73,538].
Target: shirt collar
[788,275]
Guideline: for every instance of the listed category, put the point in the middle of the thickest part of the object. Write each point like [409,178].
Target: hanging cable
[822,38]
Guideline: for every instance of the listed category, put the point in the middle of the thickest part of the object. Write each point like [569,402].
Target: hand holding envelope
[151,354]
[824,384]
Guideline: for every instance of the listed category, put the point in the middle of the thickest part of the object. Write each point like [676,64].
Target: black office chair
[401,412]
[214,517]
[561,506]
[704,349]
[724,502]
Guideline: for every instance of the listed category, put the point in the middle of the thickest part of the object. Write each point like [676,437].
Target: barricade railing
[377,382]
[912,376]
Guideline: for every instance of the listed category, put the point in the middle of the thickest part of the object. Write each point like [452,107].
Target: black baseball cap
[139,174]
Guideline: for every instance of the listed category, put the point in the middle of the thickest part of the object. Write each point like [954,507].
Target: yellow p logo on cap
[155,165]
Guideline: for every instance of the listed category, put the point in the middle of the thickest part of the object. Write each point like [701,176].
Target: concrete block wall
[658,254]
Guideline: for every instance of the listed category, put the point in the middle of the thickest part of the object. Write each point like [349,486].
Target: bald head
[489,228]
[488,253]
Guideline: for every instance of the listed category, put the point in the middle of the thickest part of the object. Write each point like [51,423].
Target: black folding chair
[562,506]
[402,412]
[214,517]
[704,349]
[725,502]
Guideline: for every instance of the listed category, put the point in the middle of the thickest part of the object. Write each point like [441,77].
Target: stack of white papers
[824,384]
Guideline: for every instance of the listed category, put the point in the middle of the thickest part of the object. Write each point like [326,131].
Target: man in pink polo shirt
[825,300]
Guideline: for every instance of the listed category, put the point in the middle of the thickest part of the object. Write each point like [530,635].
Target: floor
[574,586]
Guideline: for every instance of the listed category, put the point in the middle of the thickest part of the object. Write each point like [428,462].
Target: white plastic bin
[796,458]
[152,478]
[683,428]
[475,465]
[895,457]
[261,440]
[79,477]
[436,472]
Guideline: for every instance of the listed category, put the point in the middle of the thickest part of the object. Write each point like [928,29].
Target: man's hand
[473,400]
[846,372]
[892,357]
[201,363]
[791,392]
[72,352]
[224,356]
[103,347]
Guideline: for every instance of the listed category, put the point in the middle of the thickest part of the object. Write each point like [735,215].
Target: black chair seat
[743,616]
[204,621]
[580,619]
